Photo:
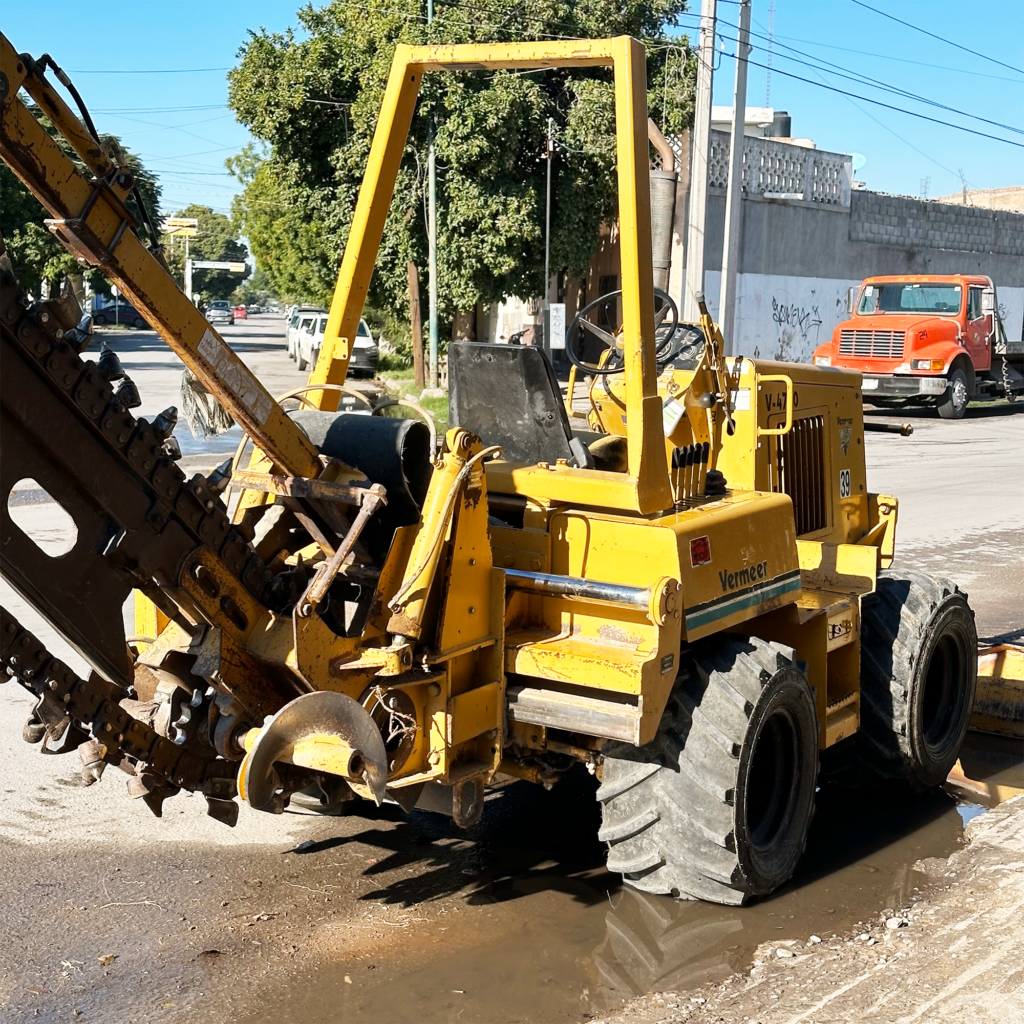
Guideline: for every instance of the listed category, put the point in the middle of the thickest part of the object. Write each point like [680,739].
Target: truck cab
[920,339]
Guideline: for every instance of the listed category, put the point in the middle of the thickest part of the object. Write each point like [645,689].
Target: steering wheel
[581,326]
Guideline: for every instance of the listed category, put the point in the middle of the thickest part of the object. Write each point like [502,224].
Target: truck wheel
[919,669]
[953,404]
[718,805]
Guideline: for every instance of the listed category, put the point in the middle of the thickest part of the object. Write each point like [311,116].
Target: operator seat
[508,395]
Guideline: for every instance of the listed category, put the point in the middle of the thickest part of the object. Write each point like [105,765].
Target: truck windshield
[923,297]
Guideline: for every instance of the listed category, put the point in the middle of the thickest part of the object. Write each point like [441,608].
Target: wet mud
[392,918]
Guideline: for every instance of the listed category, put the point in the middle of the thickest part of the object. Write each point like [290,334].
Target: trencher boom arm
[90,218]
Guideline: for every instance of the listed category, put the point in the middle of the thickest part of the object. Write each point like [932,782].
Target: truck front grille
[872,344]
[799,471]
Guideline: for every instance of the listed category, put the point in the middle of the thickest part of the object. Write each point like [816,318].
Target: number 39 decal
[844,483]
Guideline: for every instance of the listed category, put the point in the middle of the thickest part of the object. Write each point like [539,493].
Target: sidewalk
[955,956]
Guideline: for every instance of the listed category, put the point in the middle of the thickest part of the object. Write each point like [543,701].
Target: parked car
[296,315]
[240,313]
[363,359]
[251,310]
[219,312]
[119,313]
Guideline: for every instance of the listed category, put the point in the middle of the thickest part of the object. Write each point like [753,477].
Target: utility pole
[416,320]
[734,199]
[699,165]
[547,244]
[432,235]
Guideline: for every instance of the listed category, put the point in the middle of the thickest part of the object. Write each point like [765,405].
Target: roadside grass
[400,384]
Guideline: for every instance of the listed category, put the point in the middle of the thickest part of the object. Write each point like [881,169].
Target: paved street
[383,917]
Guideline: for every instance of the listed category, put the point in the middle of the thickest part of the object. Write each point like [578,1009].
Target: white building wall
[786,318]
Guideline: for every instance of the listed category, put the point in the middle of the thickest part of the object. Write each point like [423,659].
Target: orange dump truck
[933,339]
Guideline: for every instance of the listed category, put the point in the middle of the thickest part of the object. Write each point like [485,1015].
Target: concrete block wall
[897,220]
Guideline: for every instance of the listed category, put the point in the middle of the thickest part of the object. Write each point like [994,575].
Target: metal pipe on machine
[575,588]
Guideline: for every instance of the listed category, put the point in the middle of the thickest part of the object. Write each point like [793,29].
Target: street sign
[170,223]
[182,232]
[114,290]
[238,268]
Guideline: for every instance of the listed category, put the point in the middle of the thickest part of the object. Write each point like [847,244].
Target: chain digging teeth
[161,766]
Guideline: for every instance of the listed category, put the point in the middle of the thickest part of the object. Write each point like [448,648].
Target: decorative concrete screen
[780,170]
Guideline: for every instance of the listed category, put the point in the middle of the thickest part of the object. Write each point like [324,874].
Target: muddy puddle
[387,918]
[537,930]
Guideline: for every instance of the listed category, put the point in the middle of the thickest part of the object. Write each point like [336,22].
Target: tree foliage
[217,240]
[312,97]
[35,254]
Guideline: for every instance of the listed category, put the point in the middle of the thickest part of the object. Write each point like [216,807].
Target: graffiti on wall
[785,318]
[797,326]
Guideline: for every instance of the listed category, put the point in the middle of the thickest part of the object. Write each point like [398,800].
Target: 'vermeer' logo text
[743,577]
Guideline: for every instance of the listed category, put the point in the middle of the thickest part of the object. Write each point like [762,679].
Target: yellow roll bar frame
[645,487]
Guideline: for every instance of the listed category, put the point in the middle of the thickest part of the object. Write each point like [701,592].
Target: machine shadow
[528,840]
[852,824]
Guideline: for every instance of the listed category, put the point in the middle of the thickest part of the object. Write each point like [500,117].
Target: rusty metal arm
[300,487]
[90,219]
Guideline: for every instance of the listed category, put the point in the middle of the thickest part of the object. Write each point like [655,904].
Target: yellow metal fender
[999,702]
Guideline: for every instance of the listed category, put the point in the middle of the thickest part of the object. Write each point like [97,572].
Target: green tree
[36,255]
[313,99]
[217,240]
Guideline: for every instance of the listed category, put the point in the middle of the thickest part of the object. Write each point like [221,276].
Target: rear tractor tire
[919,671]
[717,806]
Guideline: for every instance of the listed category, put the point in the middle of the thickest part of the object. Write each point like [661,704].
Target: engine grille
[799,471]
[872,344]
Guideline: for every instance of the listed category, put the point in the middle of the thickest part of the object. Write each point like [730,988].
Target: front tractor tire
[919,671]
[954,400]
[717,806]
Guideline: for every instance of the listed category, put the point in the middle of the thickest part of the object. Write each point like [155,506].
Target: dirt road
[385,917]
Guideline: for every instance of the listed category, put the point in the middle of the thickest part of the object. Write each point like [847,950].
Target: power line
[190,173]
[888,106]
[891,131]
[174,127]
[878,84]
[840,72]
[899,60]
[145,71]
[185,156]
[941,39]
[157,110]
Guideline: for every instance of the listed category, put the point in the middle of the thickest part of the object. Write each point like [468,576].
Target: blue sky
[901,149]
[179,123]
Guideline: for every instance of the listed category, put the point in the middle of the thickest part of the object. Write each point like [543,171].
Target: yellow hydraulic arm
[90,218]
